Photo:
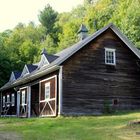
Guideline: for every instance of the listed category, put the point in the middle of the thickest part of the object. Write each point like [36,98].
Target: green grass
[109,127]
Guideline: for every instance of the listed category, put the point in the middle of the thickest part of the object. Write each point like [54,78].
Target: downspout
[18,102]
[0,103]
[60,90]
[29,101]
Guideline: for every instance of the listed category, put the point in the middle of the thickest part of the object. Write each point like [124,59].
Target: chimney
[83,32]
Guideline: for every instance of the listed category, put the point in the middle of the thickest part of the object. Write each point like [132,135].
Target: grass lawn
[107,127]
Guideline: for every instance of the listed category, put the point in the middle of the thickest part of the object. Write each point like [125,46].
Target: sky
[14,11]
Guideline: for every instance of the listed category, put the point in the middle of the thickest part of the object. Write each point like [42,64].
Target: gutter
[31,77]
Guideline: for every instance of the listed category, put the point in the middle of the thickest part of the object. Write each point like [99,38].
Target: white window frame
[8,100]
[3,99]
[47,86]
[114,56]
[13,99]
[23,97]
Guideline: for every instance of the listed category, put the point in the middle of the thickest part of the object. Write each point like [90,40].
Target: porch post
[29,101]
[60,91]
[18,103]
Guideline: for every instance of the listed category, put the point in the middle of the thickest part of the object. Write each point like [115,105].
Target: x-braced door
[48,97]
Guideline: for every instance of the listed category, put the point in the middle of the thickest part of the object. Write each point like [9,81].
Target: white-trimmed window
[110,56]
[47,90]
[23,97]
[3,98]
[8,100]
[13,99]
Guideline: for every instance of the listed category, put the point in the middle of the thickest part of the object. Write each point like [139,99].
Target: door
[48,97]
[23,110]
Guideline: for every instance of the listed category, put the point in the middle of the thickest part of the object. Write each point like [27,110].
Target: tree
[47,18]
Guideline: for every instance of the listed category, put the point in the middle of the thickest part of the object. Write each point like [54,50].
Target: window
[3,101]
[47,90]
[110,56]
[8,100]
[13,99]
[115,102]
[23,97]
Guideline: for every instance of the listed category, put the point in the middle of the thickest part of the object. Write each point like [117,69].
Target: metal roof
[67,53]
[17,74]
[31,67]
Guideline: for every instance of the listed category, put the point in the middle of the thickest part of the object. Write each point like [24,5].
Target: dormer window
[25,71]
[43,61]
[14,76]
[110,56]
[46,58]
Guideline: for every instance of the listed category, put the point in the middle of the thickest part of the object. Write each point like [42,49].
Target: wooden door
[48,97]
[23,109]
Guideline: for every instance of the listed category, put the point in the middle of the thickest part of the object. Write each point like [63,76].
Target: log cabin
[101,70]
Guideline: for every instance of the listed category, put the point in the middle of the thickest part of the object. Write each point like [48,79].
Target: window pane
[23,97]
[13,100]
[109,56]
[3,101]
[47,90]
[8,100]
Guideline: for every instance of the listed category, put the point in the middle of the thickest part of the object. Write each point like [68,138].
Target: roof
[67,53]
[31,67]
[17,74]
[50,57]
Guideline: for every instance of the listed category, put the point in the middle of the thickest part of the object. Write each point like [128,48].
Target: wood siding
[88,83]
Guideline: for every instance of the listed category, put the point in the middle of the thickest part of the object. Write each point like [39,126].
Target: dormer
[46,58]
[28,68]
[14,76]
[43,60]
[25,71]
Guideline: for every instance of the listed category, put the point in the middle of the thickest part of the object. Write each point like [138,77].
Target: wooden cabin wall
[12,109]
[89,85]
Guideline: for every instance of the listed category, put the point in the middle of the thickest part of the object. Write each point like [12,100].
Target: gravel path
[9,136]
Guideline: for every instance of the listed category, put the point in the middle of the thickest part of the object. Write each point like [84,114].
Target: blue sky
[14,11]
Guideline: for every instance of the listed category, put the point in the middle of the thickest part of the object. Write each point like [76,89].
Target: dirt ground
[9,136]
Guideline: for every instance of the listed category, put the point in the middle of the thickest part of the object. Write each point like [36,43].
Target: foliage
[48,17]
[111,127]
[57,31]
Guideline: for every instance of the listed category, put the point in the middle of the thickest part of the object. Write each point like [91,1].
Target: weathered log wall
[89,85]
